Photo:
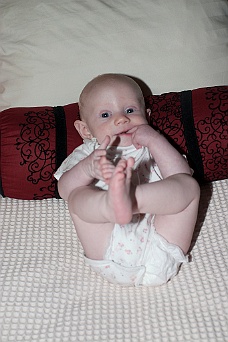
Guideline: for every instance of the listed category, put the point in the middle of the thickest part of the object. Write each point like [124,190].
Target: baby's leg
[94,237]
[94,211]
[93,205]
[174,201]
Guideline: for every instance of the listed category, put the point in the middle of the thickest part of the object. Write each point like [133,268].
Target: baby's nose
[121,119]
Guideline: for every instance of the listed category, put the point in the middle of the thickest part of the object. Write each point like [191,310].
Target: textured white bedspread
[47,293]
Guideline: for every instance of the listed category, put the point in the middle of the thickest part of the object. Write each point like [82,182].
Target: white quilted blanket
[47,293]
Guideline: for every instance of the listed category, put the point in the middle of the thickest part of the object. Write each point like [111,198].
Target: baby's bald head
[103,82]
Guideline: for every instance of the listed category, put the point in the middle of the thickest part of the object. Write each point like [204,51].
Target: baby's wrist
[153,140]
[87,167]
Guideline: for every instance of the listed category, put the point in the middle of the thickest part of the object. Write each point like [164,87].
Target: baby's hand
[141,135]
[98,166]
[107,169]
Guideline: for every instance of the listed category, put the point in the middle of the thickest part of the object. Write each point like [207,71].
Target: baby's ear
[83,129]
[148,114]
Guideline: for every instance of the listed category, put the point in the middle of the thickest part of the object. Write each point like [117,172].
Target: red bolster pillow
[35,141]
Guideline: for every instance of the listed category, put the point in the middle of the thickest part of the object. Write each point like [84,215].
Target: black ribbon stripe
[1,188]
[194,155]
[61,139]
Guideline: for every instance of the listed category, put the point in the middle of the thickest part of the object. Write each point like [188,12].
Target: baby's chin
[122,140]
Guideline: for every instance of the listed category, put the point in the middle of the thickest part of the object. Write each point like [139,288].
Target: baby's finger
[98,154]
[105,143]
[107,176]
[107,168]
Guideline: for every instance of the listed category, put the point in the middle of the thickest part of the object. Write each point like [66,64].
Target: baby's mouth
[124,132]
[121,136]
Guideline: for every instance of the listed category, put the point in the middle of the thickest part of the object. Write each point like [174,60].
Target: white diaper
[138,255]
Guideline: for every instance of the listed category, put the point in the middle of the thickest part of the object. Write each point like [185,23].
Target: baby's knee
[194,187]
[189,185]
[72,200]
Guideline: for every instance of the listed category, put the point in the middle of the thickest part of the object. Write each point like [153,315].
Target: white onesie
[137,254]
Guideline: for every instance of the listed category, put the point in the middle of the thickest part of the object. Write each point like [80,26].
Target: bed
[49,50]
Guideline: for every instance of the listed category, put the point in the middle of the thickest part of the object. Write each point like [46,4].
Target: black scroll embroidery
[166,117]
[212,133]
[36,152]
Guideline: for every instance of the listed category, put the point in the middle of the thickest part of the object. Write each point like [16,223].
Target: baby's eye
[105,115]
[129,110]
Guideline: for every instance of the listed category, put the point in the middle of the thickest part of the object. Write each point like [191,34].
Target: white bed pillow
[50,49]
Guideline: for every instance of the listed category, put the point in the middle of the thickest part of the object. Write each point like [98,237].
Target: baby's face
[114,110]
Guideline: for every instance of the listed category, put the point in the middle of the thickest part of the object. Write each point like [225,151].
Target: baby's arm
[175,199]
[168,159]
[95,166]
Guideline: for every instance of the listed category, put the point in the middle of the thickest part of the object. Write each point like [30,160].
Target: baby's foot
[119,199]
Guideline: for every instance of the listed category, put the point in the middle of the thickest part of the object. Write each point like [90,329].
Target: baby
[130,194]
